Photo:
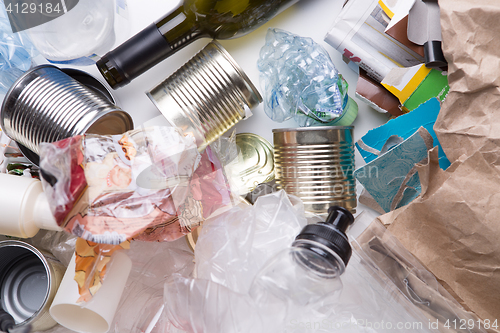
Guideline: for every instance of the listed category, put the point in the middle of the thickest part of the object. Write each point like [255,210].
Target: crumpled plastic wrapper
[300,81]
[149,184]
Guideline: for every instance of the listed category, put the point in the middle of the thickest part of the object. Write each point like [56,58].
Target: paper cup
[95,316]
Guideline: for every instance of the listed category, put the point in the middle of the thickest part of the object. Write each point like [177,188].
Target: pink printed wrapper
[150,184]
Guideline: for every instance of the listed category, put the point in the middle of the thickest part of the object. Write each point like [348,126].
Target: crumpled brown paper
[453,228]
[470,117]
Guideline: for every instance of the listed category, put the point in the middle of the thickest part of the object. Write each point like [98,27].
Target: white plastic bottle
[24,207]
[307,272]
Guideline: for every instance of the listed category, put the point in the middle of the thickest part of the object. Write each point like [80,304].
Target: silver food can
[317,164]
[206,96]
[28,283]
[46,105]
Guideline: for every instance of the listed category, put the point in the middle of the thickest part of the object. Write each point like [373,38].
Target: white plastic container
[24,207]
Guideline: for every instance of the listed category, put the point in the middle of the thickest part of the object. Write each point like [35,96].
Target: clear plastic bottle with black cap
[309,270]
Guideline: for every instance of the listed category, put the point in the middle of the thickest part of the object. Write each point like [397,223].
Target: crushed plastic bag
[16,52]
[148,184]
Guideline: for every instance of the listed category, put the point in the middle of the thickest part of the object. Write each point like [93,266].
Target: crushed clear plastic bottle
[307,273]
[300,81]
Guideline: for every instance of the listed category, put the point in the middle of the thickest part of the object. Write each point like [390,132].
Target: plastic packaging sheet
[141,305]
[148,184]
[16,52]
[418,290]
[234,247]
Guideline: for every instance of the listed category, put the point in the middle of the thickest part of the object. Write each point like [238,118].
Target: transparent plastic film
[91,261]
[16,52]
[417,289]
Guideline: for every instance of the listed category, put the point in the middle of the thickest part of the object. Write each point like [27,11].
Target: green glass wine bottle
[192,19]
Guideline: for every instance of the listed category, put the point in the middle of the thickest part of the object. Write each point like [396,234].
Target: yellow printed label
[385,9]
[412,84]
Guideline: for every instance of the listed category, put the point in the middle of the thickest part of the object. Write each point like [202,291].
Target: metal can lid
[255,162]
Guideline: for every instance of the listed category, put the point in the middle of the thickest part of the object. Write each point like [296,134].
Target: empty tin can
[206,96]
[28,283]
[317,165]
[47,105]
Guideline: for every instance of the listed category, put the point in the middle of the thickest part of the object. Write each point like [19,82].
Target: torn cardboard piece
[372,143]
[399,31]
[392,179]
[367,38]
[375,95]
[416,85]
[453,229]
[359,34]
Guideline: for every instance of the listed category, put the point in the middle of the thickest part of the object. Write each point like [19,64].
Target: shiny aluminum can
[317,164]
[206,96]
[29,280]
[47,105]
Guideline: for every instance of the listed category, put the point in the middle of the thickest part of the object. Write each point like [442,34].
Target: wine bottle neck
[180,28]
[150,46]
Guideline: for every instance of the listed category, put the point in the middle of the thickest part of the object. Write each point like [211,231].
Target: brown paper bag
[453,228]
[470,117]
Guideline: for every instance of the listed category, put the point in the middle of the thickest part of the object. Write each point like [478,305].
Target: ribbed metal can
[317,164]
[48,105]
[29,280]
[206,96]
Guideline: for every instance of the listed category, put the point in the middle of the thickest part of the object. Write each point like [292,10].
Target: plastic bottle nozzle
[330,234]
[340,218]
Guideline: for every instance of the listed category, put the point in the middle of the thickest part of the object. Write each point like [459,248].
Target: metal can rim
[46,265]
[313,128]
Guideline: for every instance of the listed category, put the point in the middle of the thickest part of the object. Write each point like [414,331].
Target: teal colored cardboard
[384,176]
[403,127]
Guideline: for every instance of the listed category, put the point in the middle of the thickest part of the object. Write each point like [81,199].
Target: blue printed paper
[372,143]
[385,176]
